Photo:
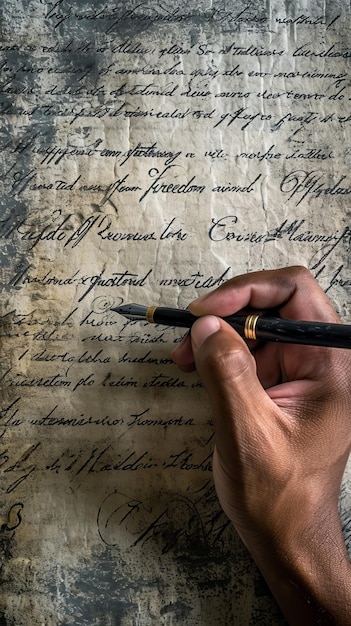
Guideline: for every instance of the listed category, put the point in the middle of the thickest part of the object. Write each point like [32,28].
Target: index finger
[291,290]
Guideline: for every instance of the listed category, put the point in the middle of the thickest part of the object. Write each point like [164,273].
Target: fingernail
[203,328]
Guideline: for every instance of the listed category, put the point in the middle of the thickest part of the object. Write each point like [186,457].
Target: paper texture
[149,152]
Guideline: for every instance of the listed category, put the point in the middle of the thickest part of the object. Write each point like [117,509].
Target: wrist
[308,569]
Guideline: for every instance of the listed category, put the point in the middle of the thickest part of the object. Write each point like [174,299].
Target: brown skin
[282,419]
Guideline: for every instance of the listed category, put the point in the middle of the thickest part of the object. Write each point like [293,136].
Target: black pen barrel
[304,332]
[184,319]
[266,328]
[173,317]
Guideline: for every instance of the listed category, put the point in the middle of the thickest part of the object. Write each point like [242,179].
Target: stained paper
[149,152]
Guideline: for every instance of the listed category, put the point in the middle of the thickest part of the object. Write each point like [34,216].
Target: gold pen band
[250,326]
[149,315]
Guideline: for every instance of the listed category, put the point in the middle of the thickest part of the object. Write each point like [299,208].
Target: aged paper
[149,151]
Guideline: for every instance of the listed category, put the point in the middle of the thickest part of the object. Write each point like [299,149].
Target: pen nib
[131,311]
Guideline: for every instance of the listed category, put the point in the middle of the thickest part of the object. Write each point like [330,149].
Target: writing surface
[149,153]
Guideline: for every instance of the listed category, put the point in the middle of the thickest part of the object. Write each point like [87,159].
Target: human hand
[281,415]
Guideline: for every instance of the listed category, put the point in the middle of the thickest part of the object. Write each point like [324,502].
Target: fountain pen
[249,326]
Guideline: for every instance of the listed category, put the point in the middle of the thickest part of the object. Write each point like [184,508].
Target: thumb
[227,369]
